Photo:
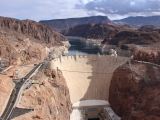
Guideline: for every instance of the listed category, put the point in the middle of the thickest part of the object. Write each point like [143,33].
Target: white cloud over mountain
[56,9]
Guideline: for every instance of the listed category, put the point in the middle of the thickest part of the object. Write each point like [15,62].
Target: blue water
[81,48]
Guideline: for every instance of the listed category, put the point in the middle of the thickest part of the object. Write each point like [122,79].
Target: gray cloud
[57,9]
[122,7]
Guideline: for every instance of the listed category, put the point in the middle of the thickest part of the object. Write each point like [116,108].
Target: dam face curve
[88,76]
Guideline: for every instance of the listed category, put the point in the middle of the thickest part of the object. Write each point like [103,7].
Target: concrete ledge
[90,103]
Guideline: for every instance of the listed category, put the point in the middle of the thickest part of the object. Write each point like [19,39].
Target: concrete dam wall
[88,76]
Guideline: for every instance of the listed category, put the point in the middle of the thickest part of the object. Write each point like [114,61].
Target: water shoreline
[103,49]
[96,42]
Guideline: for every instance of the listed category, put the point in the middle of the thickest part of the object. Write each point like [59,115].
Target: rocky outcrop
[91,30]
[33,29]
[20,51]
[134,91]
[26,41]
[50,99]
[128,38]
[61,24]
[148,54]
[148,27]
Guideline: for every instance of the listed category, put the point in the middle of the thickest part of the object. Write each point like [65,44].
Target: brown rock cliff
[50,100]
[91,30]
[126,38]
[26,41]
[33,29]
[21,50]
[134,91]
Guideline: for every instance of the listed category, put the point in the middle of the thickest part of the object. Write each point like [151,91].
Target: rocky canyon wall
[27,42]
[134,91]
[148,54]
[50,99]
[33,29]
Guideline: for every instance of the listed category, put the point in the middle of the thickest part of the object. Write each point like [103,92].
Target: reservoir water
[82,48]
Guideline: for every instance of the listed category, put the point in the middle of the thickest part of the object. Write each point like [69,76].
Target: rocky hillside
[139,21]
[91,30]
[130,39]
[50,99]
[134,91]
[33,29]
[148,27]
[26,41]
[61,24]
[148,54]
[21,50]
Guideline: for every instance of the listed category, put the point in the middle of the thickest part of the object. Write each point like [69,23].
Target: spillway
[88,76]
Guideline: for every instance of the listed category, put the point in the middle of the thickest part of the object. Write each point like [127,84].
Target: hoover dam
[88,78]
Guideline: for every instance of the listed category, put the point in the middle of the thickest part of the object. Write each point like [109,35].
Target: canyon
[123,39]
[82,86]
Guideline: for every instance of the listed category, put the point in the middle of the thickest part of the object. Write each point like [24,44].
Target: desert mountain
[26,41]
[129,40]
[61,24]
[33,29]
[92,31]
[139,21]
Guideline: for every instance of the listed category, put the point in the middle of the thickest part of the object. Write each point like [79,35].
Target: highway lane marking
[11,101]
[16,89]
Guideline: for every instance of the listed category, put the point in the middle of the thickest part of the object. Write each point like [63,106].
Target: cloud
[132,3]
[59,9]
[122,7]
[40,9]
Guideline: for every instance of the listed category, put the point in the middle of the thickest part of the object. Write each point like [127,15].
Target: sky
[61,9]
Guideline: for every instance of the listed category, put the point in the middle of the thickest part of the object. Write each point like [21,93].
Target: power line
[99,72]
